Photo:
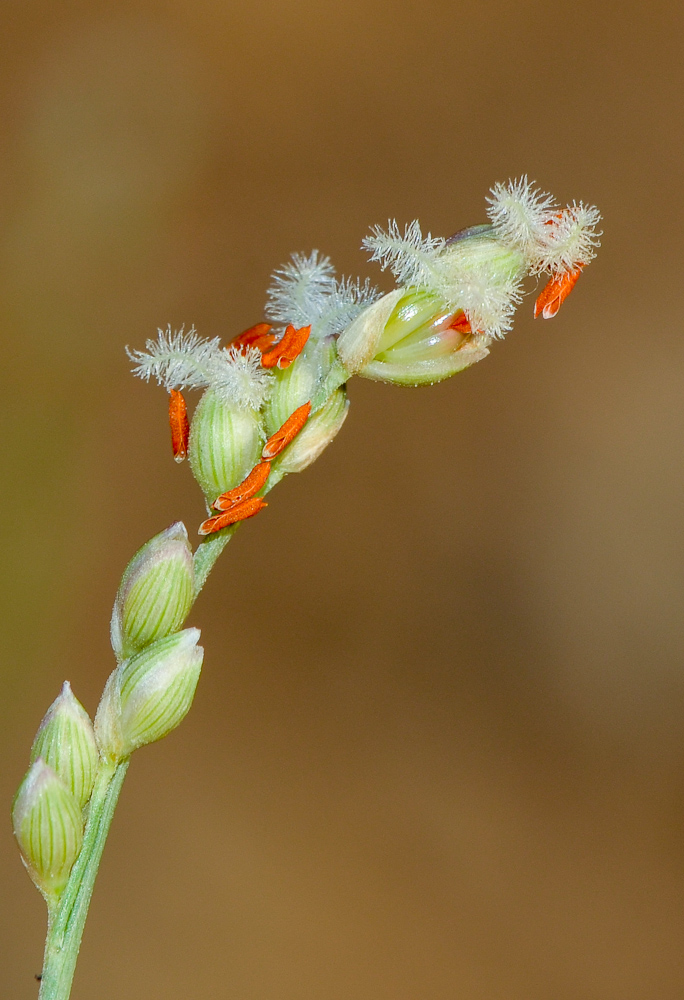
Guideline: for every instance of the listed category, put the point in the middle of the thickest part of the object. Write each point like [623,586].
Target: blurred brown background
[437,749]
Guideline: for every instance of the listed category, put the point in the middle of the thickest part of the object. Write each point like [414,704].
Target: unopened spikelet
[146,697]
[155,594]
[66,741]
[48,825]
[225,444]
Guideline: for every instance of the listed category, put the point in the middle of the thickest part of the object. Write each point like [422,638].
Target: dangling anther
[257,336]
[238,513]
[289,347]
[180,428]
[555,293]
[288,432]
[246,490]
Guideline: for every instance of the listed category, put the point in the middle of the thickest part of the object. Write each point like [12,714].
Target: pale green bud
[225,444]
[155,594]
[149,695]
[316,434]
[48,825]
[297,384]
[66,741]
[414,341]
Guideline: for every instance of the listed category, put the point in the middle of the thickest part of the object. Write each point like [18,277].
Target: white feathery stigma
[549,237]
[180,360]
[305,292]
[519,213]
[240,378]
[570,240]
[489,304]
[300,288]
[176,359]
[410,256]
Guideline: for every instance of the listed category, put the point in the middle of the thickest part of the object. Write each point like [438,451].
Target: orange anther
[288,432]
[180,428]
[289,347]
[256,336]
[460,323]
[555,293]
[238,513]
[247,488]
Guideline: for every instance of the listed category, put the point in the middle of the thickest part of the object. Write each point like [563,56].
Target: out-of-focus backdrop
[437,750]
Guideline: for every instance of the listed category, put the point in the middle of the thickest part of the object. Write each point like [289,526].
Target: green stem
[67,920]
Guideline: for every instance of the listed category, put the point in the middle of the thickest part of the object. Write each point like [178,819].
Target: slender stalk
[67,920]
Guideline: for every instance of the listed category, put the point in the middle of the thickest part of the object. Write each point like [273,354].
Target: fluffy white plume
[239,377]
[570,239]
[410,256]
[519,213]
[300,288]
[549,237]
[489,302]
[305,292]
[180,360]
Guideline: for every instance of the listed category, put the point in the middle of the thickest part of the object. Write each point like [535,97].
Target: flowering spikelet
[467,275]
[179,360]
[480,270]
[305,292]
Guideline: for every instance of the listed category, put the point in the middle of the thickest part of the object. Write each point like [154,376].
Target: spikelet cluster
[180,360]
[305,292]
